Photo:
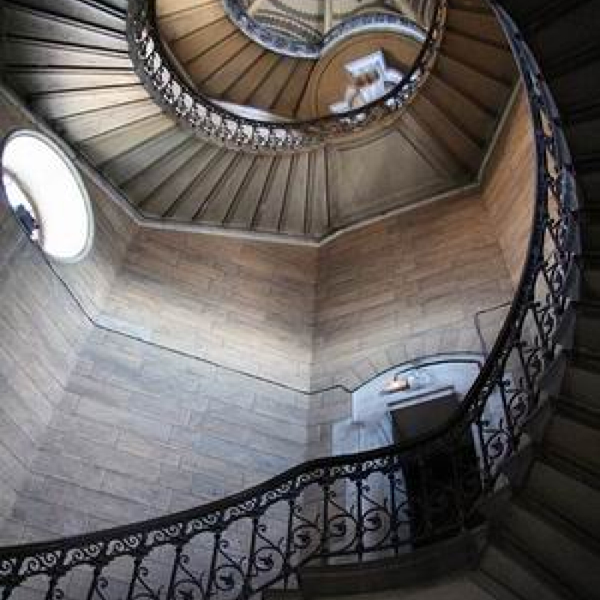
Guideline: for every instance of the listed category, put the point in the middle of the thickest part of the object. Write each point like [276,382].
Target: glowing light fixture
[45,190]
[397,384]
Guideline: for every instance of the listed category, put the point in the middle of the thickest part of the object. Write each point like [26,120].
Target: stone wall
[129,418]
[247,305]
[133,421]
[40,332]
[406,287]
[42,329]
[142,431]
[509,187]
[411,285]
[137,430]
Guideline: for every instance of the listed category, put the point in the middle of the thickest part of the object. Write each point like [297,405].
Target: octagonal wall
[43,328]
[161,402]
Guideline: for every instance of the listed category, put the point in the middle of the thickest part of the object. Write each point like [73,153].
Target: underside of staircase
[69,62]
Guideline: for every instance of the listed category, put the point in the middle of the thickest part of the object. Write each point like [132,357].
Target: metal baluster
[393,516]
[457,489]
[246,587]
[510,427]
[360,529]
[213,562]
[326,487]
[173,577]
[97,573]
[288,542]
[14,580]
[422,471]
[134,575]
[57,572]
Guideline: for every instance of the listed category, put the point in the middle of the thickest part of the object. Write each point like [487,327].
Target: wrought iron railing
[210,121]
[358,507]
[283,44]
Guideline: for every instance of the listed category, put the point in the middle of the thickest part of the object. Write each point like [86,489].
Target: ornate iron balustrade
[279,43]
[217,124]
[360,507]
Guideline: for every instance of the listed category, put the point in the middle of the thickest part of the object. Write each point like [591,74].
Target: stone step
[583,132]
[508,574]
[282,595]
[290,99]
[33,57]
[117,4]
[86,125]
[589,222]
[589,266]
[177,21]
[463,587]
[568,557]
[103,148]
[473,83]
[581,380]
[36,81]
[200,191]
[231,71]
[574,442]
[202,66]
[37,24]
[564,27]
[446,131]
[579,327]
[411,569]
[259,71]
[569,498]
[146,182]
[488,58]
[477,121]
[588,182]
[188,47]
[578,410]
[124,167]
[61,104]
[475,21]
[537,15]
[577,86]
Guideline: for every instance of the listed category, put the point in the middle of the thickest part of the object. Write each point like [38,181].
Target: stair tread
[561,552]
[574,441]
[565,525]
[507,565]
[566,495]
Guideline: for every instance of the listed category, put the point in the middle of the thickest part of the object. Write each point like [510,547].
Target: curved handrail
[281,44]
[366,505]
[217,124]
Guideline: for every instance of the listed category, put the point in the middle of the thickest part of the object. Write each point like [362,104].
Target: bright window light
[47,194]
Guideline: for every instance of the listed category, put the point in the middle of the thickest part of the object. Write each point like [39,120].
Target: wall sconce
[397,384]
[411,380]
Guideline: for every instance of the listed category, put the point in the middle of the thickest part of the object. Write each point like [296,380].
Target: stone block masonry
[132,417]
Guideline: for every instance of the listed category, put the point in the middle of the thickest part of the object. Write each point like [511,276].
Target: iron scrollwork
[364,506]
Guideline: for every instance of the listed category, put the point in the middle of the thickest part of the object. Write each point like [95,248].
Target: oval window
[47,194]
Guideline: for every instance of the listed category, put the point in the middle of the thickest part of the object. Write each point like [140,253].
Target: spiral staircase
[222,60]
[539,537]
[70,63]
